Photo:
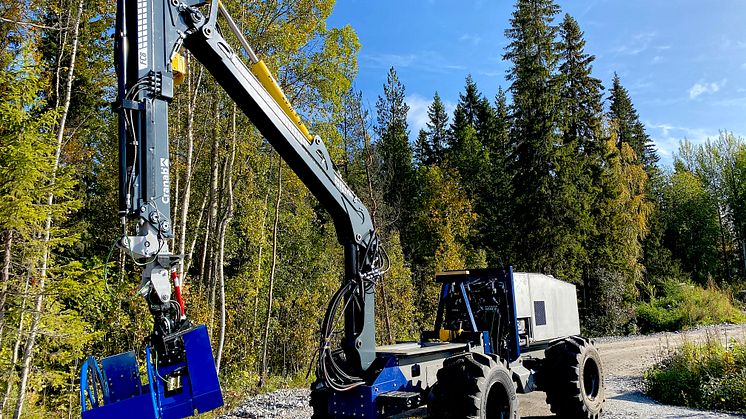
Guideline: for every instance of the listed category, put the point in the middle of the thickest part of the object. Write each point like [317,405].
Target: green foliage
[684,305]
[693,234]
[398,311]
[621,213]
[26,145]
[444,225]
[716,164]
[609,304]
[707,376]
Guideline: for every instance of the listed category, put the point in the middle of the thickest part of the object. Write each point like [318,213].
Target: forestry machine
[496,332]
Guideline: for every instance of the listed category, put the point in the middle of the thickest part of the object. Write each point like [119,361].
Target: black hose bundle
[373,264]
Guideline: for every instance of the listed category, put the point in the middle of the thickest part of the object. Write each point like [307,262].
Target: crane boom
[149,37]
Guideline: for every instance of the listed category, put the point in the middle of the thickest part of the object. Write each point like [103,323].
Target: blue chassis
[362,401]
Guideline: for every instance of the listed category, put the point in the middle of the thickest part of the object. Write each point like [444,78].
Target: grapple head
[113,389]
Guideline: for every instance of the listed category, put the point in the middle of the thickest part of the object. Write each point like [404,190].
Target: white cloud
[389,60]
[667,138]
[490,73]
[701,88]
[637,44]
[429,61]
[473,39]
[417,116]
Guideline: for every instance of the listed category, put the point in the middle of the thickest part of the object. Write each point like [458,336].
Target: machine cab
[478,302]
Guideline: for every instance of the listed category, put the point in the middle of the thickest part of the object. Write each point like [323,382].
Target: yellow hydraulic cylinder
[262,73]
[179,69]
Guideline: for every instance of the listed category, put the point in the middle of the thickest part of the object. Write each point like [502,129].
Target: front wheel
[474,386]
[572,377]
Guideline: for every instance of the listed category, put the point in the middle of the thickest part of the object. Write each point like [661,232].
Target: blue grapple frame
[113,389]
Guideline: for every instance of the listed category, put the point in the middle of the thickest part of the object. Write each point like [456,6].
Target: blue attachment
[468,307]
[91,381]
[361,401]
[127,397]
[487,344]
[124,397]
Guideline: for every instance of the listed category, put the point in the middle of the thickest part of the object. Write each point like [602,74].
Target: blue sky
[683,61]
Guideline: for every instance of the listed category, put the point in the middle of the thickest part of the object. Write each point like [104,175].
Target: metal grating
[540,313]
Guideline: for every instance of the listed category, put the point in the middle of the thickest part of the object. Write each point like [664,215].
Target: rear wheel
[572,377]
[474,386]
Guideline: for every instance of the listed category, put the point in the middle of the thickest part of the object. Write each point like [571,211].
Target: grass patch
[710,376]
[686,305]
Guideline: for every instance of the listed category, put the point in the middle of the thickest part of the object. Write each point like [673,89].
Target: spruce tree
[466,115]
[533,53]
[578,155]
[629,128]
[502,125]
[431,143]
[466,149]
[580,91]
[423,150]
[438,128]
[396,169]
[493,225]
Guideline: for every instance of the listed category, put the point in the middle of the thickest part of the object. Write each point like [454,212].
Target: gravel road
[625,359]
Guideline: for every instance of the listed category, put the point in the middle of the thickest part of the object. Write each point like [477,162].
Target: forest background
[553,175]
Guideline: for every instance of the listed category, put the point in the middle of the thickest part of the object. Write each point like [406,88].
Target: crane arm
[149,36]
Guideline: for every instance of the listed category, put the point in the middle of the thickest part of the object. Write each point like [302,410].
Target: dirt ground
[624,361]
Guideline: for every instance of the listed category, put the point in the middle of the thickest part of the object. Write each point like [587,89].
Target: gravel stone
[625,359]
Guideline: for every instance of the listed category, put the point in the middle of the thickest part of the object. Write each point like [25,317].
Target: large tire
[572,377]
[474,386]
[319,401]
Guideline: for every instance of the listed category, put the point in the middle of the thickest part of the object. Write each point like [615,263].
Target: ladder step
[400,399]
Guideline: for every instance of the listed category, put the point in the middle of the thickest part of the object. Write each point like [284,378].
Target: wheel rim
[498,402]
[591,379]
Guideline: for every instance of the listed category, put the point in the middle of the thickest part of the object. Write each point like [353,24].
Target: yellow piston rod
[262,73]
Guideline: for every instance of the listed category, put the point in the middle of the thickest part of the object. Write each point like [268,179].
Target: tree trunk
[8,235]
[726,259]
[188,255]
[223,228]
[188,169]
[214,203]
[203,272]
[16,349]
[29,350]
[259,269]
[71,392]
[272,271]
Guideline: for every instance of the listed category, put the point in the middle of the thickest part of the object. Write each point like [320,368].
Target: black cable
[334,375]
